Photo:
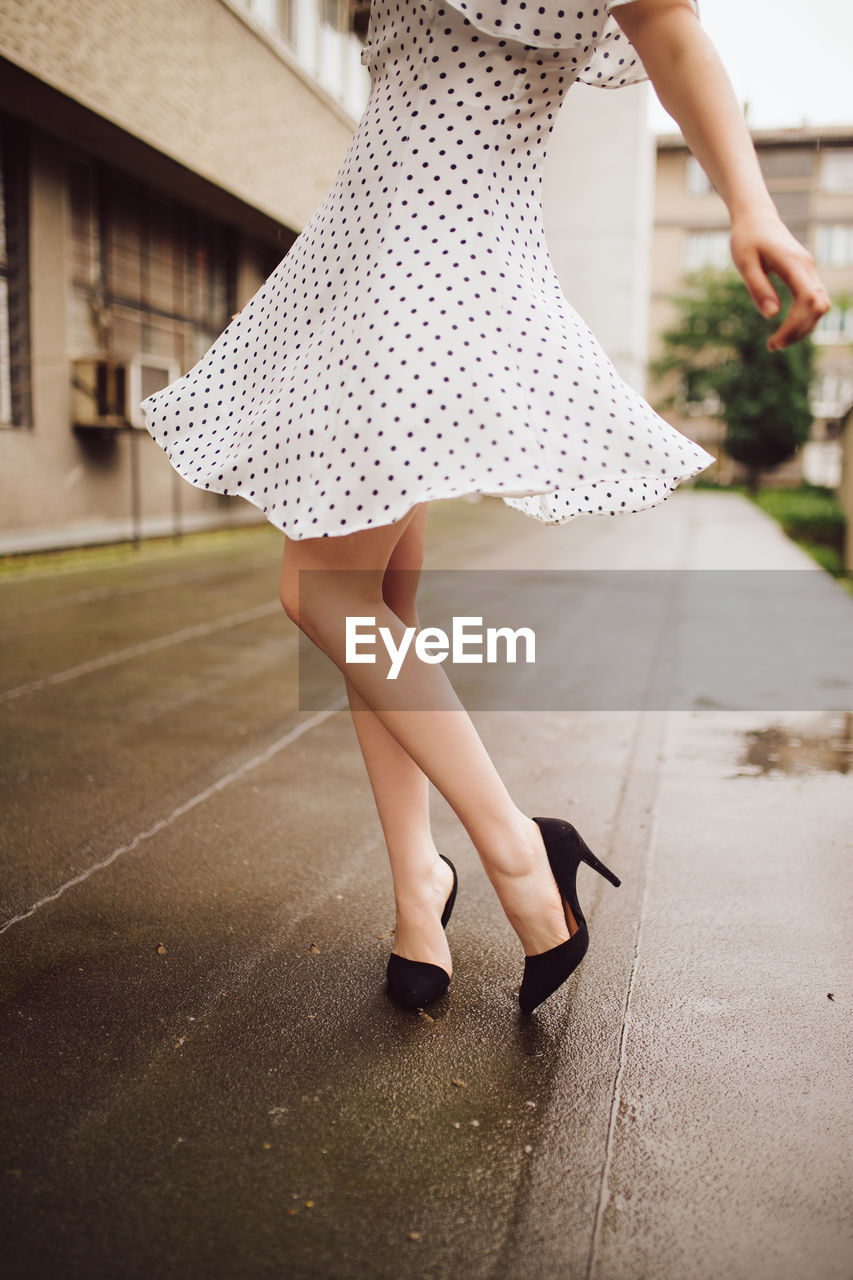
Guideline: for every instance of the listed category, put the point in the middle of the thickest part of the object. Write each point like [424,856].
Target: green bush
[809,514]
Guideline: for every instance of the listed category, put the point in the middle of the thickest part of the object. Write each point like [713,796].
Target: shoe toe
[415,983]
[544,974]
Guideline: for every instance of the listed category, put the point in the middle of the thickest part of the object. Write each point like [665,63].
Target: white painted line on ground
[220,784]
[146,647]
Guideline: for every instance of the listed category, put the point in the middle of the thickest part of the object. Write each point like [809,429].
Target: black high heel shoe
[545,972]
[414,983]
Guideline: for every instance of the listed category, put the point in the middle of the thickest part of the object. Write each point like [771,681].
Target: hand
[761,243]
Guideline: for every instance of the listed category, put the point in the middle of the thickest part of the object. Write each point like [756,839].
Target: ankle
[520,853]
[423,890]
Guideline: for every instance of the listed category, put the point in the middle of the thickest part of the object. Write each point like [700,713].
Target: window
[277,15]
[781,164]
[706,249]
[835,326]
[834,245]
[836,169]
[148,275]
[359,17]
[698,182]
[15,402]
[331,12]
[832,395]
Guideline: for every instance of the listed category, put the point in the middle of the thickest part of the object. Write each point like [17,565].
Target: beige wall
[196,82]
[597,196]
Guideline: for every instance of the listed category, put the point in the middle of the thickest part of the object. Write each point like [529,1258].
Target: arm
[693,86]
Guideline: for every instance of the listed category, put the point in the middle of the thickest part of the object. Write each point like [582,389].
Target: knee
[300,616]
[318,610]
[401,600]
[294,601]
[288,596]
[297,609]
[407,613]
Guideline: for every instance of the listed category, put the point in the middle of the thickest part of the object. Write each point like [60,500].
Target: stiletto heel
[415,983]
[597,865]
[566,850]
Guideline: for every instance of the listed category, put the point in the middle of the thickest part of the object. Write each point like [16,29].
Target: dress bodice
[593,45]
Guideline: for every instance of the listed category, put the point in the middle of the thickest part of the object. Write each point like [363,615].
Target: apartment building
[809,173]
[156,162]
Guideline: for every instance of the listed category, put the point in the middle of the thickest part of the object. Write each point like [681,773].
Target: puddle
[827,748]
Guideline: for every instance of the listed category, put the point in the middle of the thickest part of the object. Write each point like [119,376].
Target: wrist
[751,207]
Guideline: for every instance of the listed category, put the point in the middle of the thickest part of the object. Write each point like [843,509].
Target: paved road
[202,1077]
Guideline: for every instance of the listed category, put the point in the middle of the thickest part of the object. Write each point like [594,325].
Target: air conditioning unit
[147,374]
[106,393]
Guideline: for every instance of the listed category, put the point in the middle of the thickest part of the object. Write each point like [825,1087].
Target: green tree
[716,354]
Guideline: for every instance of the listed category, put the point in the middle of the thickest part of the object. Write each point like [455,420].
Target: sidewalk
[202,1075]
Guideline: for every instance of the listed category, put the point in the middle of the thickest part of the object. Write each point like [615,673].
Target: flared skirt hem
[556,506]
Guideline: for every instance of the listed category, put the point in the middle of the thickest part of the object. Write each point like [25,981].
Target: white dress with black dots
[414,343]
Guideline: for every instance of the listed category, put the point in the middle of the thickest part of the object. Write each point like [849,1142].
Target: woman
[414,344]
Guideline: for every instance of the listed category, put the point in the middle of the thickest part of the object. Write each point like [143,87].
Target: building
[598,202]
[157,162]
[809,173]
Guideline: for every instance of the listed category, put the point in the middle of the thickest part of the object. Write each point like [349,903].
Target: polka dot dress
[414,343]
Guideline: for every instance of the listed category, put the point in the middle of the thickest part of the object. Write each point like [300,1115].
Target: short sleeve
[615,62]
[599,48]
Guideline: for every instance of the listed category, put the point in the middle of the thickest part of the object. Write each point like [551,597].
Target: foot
[530,897]
[418,932]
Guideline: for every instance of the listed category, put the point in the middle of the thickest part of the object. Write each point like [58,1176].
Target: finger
[809,300]
[758,284]
[795,326]
[810,303]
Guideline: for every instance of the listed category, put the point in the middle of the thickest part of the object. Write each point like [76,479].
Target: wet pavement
[202,1075]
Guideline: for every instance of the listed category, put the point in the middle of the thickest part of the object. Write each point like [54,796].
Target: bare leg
[422,882]
[442,740]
